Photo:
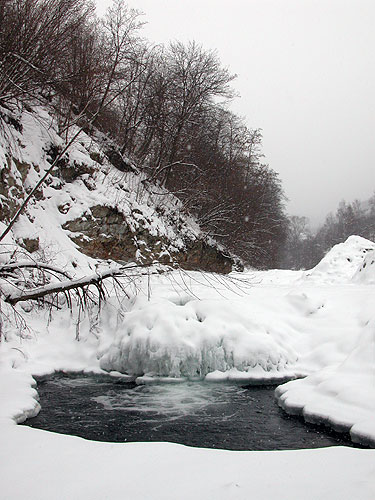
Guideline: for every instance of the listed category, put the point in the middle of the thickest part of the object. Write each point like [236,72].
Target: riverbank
[41,465]
[316,324]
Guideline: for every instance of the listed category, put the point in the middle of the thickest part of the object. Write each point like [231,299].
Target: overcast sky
[306,75]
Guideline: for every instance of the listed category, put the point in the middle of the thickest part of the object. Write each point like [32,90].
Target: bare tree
[35,38]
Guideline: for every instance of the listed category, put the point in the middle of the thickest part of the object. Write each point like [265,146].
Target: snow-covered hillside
[93,202]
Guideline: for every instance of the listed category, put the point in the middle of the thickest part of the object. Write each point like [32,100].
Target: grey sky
[306,75]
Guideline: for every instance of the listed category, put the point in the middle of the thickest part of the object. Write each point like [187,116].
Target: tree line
[165,107]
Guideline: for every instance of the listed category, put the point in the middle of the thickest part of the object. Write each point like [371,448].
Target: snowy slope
[366,270]
[87,200]
[342,261]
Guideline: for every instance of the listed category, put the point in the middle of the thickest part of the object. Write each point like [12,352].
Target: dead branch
[32,265]
[79,285]
[62,286]
[164,168]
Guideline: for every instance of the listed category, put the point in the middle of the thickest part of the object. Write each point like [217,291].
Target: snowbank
[164,338]
[342,392]
[39,465]
[342,396]
[342,261]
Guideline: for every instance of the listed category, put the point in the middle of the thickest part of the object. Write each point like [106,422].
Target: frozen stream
[200,414]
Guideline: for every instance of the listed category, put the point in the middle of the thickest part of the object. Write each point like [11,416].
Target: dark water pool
[201,414]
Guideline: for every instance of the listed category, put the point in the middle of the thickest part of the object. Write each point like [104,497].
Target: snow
[342,261]
[59,467]
[282,325]
[165,339]
[340,394]
[315,329]
[329,326]
[366,271]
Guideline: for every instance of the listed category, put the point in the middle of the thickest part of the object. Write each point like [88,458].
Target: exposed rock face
[200,255]
[105,234]
[118,161]
[13,175]
[71,172]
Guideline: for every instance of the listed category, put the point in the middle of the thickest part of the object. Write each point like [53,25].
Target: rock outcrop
[104,233]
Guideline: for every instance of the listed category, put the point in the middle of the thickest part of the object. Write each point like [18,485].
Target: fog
[306,76]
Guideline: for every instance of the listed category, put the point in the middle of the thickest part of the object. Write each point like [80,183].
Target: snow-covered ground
[254,326]
[44,466]
[258,325]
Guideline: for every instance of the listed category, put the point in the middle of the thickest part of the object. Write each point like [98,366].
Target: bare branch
[62,286]
[32,265]
[78,285]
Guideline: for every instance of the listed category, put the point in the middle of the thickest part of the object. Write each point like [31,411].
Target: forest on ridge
[165,108]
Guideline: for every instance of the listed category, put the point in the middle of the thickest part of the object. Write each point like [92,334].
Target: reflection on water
[193,413]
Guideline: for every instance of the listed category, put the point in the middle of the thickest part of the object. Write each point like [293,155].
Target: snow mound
[341,395]
[342,261]
[192,339]
[365,274]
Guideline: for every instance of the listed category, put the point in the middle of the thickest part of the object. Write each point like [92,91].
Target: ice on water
[160,338]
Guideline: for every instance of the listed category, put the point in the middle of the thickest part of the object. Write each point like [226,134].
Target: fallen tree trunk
[61,286]
[70,284]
